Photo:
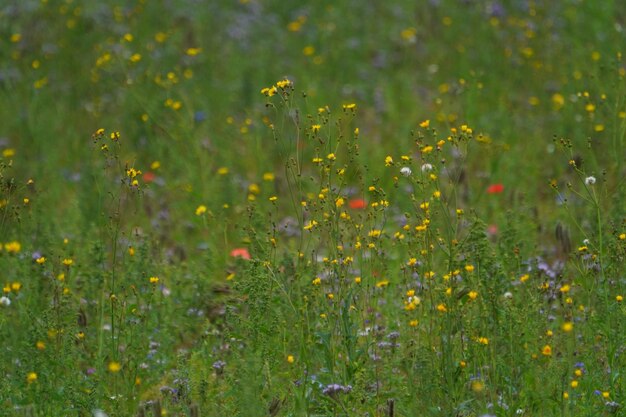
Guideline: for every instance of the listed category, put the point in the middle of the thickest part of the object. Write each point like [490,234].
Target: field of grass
[270,208]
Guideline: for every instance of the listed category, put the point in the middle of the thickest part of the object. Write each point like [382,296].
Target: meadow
[330,208]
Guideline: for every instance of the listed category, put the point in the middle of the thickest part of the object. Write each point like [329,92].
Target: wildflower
[40,260]
[619,298]
[425,124]
[290,359]
[483,340]
[201,210]
[40,345]
[283,83]
[473,295]
[357,204]
[357,280]
[31,377]
[477,386]
[469,268]
[333,389]
[442,308]
[154,280]
[406,171]
[68,262]
[114,367]
[5,301]
[193,51]
[13,247]
[240,253]
[590,180]
[316,128]
[388,161]
[310,225]
[574,383]
[546,350]
[427,149]
[382,284]
[495,189]
[427,167]
[351,106]
[317,281]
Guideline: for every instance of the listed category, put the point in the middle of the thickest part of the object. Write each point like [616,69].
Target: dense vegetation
[337,208]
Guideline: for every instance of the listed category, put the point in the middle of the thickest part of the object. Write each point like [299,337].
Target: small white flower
[427,168]
[508,295]
[590,180]
[406,171]
[5,301]
[586,242]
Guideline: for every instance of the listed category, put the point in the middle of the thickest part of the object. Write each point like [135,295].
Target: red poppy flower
[148,177]
[357,204]
[240,252]
[495,189]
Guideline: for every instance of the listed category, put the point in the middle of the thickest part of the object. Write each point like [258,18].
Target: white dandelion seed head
[5,301]
[427,168]
[508,295]
[590,180]
[406,171]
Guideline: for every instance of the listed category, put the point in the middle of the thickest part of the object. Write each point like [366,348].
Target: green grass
[425,216]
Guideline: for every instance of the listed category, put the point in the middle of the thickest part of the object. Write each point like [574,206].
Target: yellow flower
[193,51]
[442,308]
[382,284]
[388,160]
[483,341]
[316,128]
[40,345]
[351,106]
[67,262]
[114,367]
[31,377]
[290,359]
[283,83]
[201,210]
[546,350]
[317,281]
[357,280]
[154,280]
[425,124]
[13,247]
[568,326]
[472,295]
[469,268]
[41,260]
